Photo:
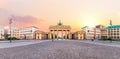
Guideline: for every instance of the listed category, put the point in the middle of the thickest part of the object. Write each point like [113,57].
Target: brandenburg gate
[60,31]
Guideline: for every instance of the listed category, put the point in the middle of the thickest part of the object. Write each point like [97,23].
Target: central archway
[60,31]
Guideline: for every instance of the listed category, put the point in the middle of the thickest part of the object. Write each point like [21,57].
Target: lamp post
[1,36]
[10,23]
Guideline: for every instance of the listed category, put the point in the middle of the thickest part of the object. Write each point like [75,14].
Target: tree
[14,38]
[6,36]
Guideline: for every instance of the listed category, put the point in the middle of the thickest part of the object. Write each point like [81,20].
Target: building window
[114,33]
[118,33]
[118,29]
[88,30]
[118,37]
[115,37]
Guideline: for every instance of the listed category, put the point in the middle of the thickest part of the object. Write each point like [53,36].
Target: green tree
[6,36]
[14,38]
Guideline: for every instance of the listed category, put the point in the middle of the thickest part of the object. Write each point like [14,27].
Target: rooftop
[113,26]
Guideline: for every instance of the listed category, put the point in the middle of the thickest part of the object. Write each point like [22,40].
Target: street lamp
[10,23]
[1,35]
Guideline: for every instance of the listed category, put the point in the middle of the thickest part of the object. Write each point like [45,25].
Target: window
[118,37]
[115,37]
[114,33]
[118,33]
[88,30]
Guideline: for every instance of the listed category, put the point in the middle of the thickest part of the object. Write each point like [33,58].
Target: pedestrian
[92,39]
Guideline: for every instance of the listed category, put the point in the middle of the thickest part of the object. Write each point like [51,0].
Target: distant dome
[60,23]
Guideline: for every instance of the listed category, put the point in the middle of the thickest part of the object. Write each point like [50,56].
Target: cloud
[24,21]
[18,20]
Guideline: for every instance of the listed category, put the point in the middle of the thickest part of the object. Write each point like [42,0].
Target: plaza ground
[62,49]
[16,43]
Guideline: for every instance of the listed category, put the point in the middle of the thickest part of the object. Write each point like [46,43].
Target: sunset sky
[43,13]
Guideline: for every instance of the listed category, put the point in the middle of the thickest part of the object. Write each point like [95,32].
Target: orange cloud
[24,21]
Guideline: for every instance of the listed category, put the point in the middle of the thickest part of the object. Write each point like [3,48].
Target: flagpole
[110,25]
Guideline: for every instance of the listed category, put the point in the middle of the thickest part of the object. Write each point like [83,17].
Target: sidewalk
[7,44]
[104,43]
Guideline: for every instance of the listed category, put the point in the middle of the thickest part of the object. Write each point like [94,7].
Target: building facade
[40,35]
[104,33]
[103,30]
[91,32]
[6,31]
[14,32]
[79,35]
[113,32]
[28,32]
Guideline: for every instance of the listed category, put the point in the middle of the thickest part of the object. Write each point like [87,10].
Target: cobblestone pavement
[66,49]
[104,43]
[15,43]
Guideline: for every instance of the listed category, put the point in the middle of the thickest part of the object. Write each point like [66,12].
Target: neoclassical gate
[60,31]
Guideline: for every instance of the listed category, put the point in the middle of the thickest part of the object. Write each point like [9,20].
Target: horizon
[76,13]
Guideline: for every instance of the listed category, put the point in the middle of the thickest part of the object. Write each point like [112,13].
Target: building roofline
[113,26]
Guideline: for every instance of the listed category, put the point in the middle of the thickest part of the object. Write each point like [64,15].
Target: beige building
[14,32]
[103,33]
[79,35]
[60,31]
[28,32]
[113,32]
[103,30]
[40,35]
[91,32]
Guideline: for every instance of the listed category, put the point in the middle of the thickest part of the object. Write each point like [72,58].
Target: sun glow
[89,21]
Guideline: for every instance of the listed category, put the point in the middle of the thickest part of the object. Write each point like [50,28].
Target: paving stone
[61,50]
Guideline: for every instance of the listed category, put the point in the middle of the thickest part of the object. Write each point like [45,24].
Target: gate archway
[60,31]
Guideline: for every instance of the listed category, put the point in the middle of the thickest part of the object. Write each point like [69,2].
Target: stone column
[62,34]
[69,35]
[54,34]
[79,36]
[50,35]
[57,34]
[66,34]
